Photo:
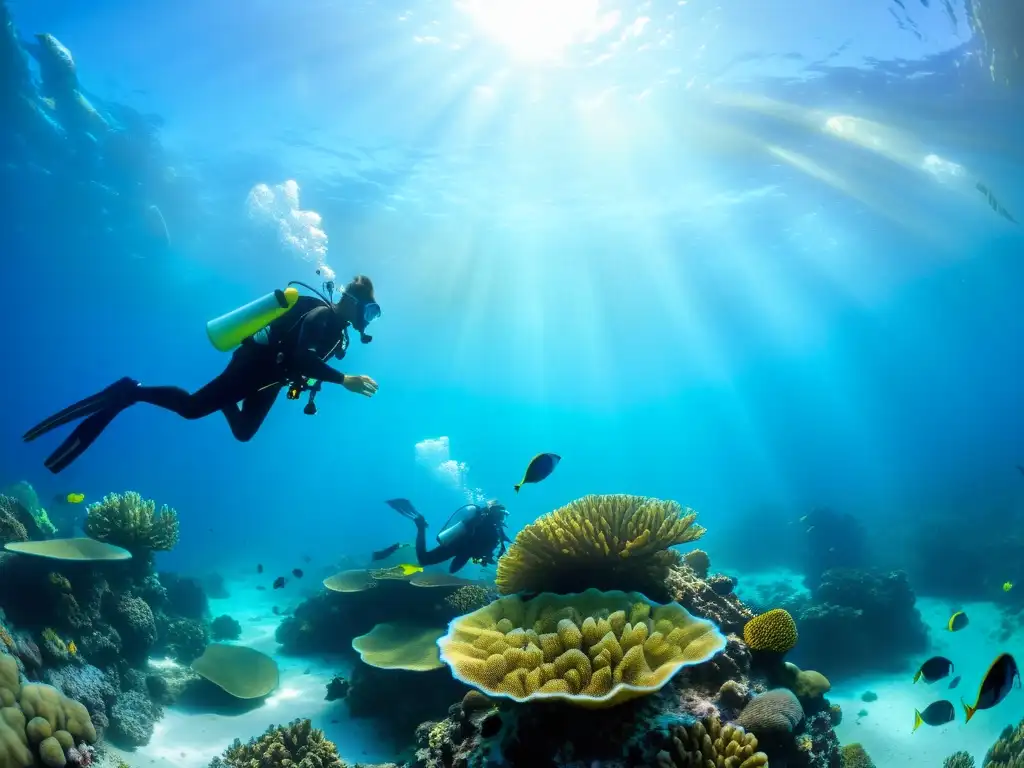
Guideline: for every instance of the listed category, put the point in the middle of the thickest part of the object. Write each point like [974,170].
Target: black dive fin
[79,410]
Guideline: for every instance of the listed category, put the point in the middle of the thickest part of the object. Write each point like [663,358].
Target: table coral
[127,520]
[711,744]
[593,649]
[603,542]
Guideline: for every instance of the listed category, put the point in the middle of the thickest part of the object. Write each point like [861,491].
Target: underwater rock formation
[860,621]
[605,542]
[699,597]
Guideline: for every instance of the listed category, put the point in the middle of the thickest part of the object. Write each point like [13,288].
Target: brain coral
[592,649]
[601,542]
[132,522]
[710,744]
[774,631]
[775,711]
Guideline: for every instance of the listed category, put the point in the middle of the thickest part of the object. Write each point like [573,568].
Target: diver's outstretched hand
[361,385]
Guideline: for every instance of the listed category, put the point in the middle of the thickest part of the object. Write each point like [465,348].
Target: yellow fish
[1007,586]
[75,498]
[72,648]
[408,569]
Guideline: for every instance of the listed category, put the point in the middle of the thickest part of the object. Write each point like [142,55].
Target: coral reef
[1008,750]
[297,744]
[132,719]
[959,759]
[593,649]
[860,621]
[225,628]
[854,756]
[610,542]
[774,712]
[709,743]
[37,720]
[395,645]
[132,522]
[700,598]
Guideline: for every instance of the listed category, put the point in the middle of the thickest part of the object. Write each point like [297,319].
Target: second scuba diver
[473,532]
[290,351]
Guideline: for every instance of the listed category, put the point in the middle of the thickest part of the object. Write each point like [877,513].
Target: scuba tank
[458,524]
[228,331]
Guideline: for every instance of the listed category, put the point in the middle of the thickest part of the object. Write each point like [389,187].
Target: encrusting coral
[709,744]
[296,745]
[601,542]
[132,522]
[774,632]
[592,649]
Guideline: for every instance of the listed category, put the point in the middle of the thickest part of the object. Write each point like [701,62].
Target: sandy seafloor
[186,739]
[189,739]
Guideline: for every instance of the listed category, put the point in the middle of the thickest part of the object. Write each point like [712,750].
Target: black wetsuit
[293,348]
[482,539]
[296,347]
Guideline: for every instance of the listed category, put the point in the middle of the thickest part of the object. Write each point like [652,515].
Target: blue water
[589,236]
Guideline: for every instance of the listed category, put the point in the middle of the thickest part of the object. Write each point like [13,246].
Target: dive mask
[366,313]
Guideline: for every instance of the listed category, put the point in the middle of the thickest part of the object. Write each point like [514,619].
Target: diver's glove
[361,385]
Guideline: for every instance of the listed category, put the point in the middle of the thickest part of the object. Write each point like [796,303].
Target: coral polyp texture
[601,542]
[709,744]
[297,744]
[132,522]
[1008,751]
[593,649]
[774,632]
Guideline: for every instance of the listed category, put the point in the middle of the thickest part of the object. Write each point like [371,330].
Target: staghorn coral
[127,520]
[602,542]
[593,649]
[709,744]
[854,756]
[774,632]
[296,745]
[959,759]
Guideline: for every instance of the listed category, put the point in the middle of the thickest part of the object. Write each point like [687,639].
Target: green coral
[127,520]
[959,759]
[296,745]
[854,756]
[607,542]
[1008,751]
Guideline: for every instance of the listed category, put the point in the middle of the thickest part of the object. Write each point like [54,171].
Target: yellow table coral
[604,542]
[592,649]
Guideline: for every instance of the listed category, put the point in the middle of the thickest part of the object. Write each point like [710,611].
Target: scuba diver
[282,339]
[473,532]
